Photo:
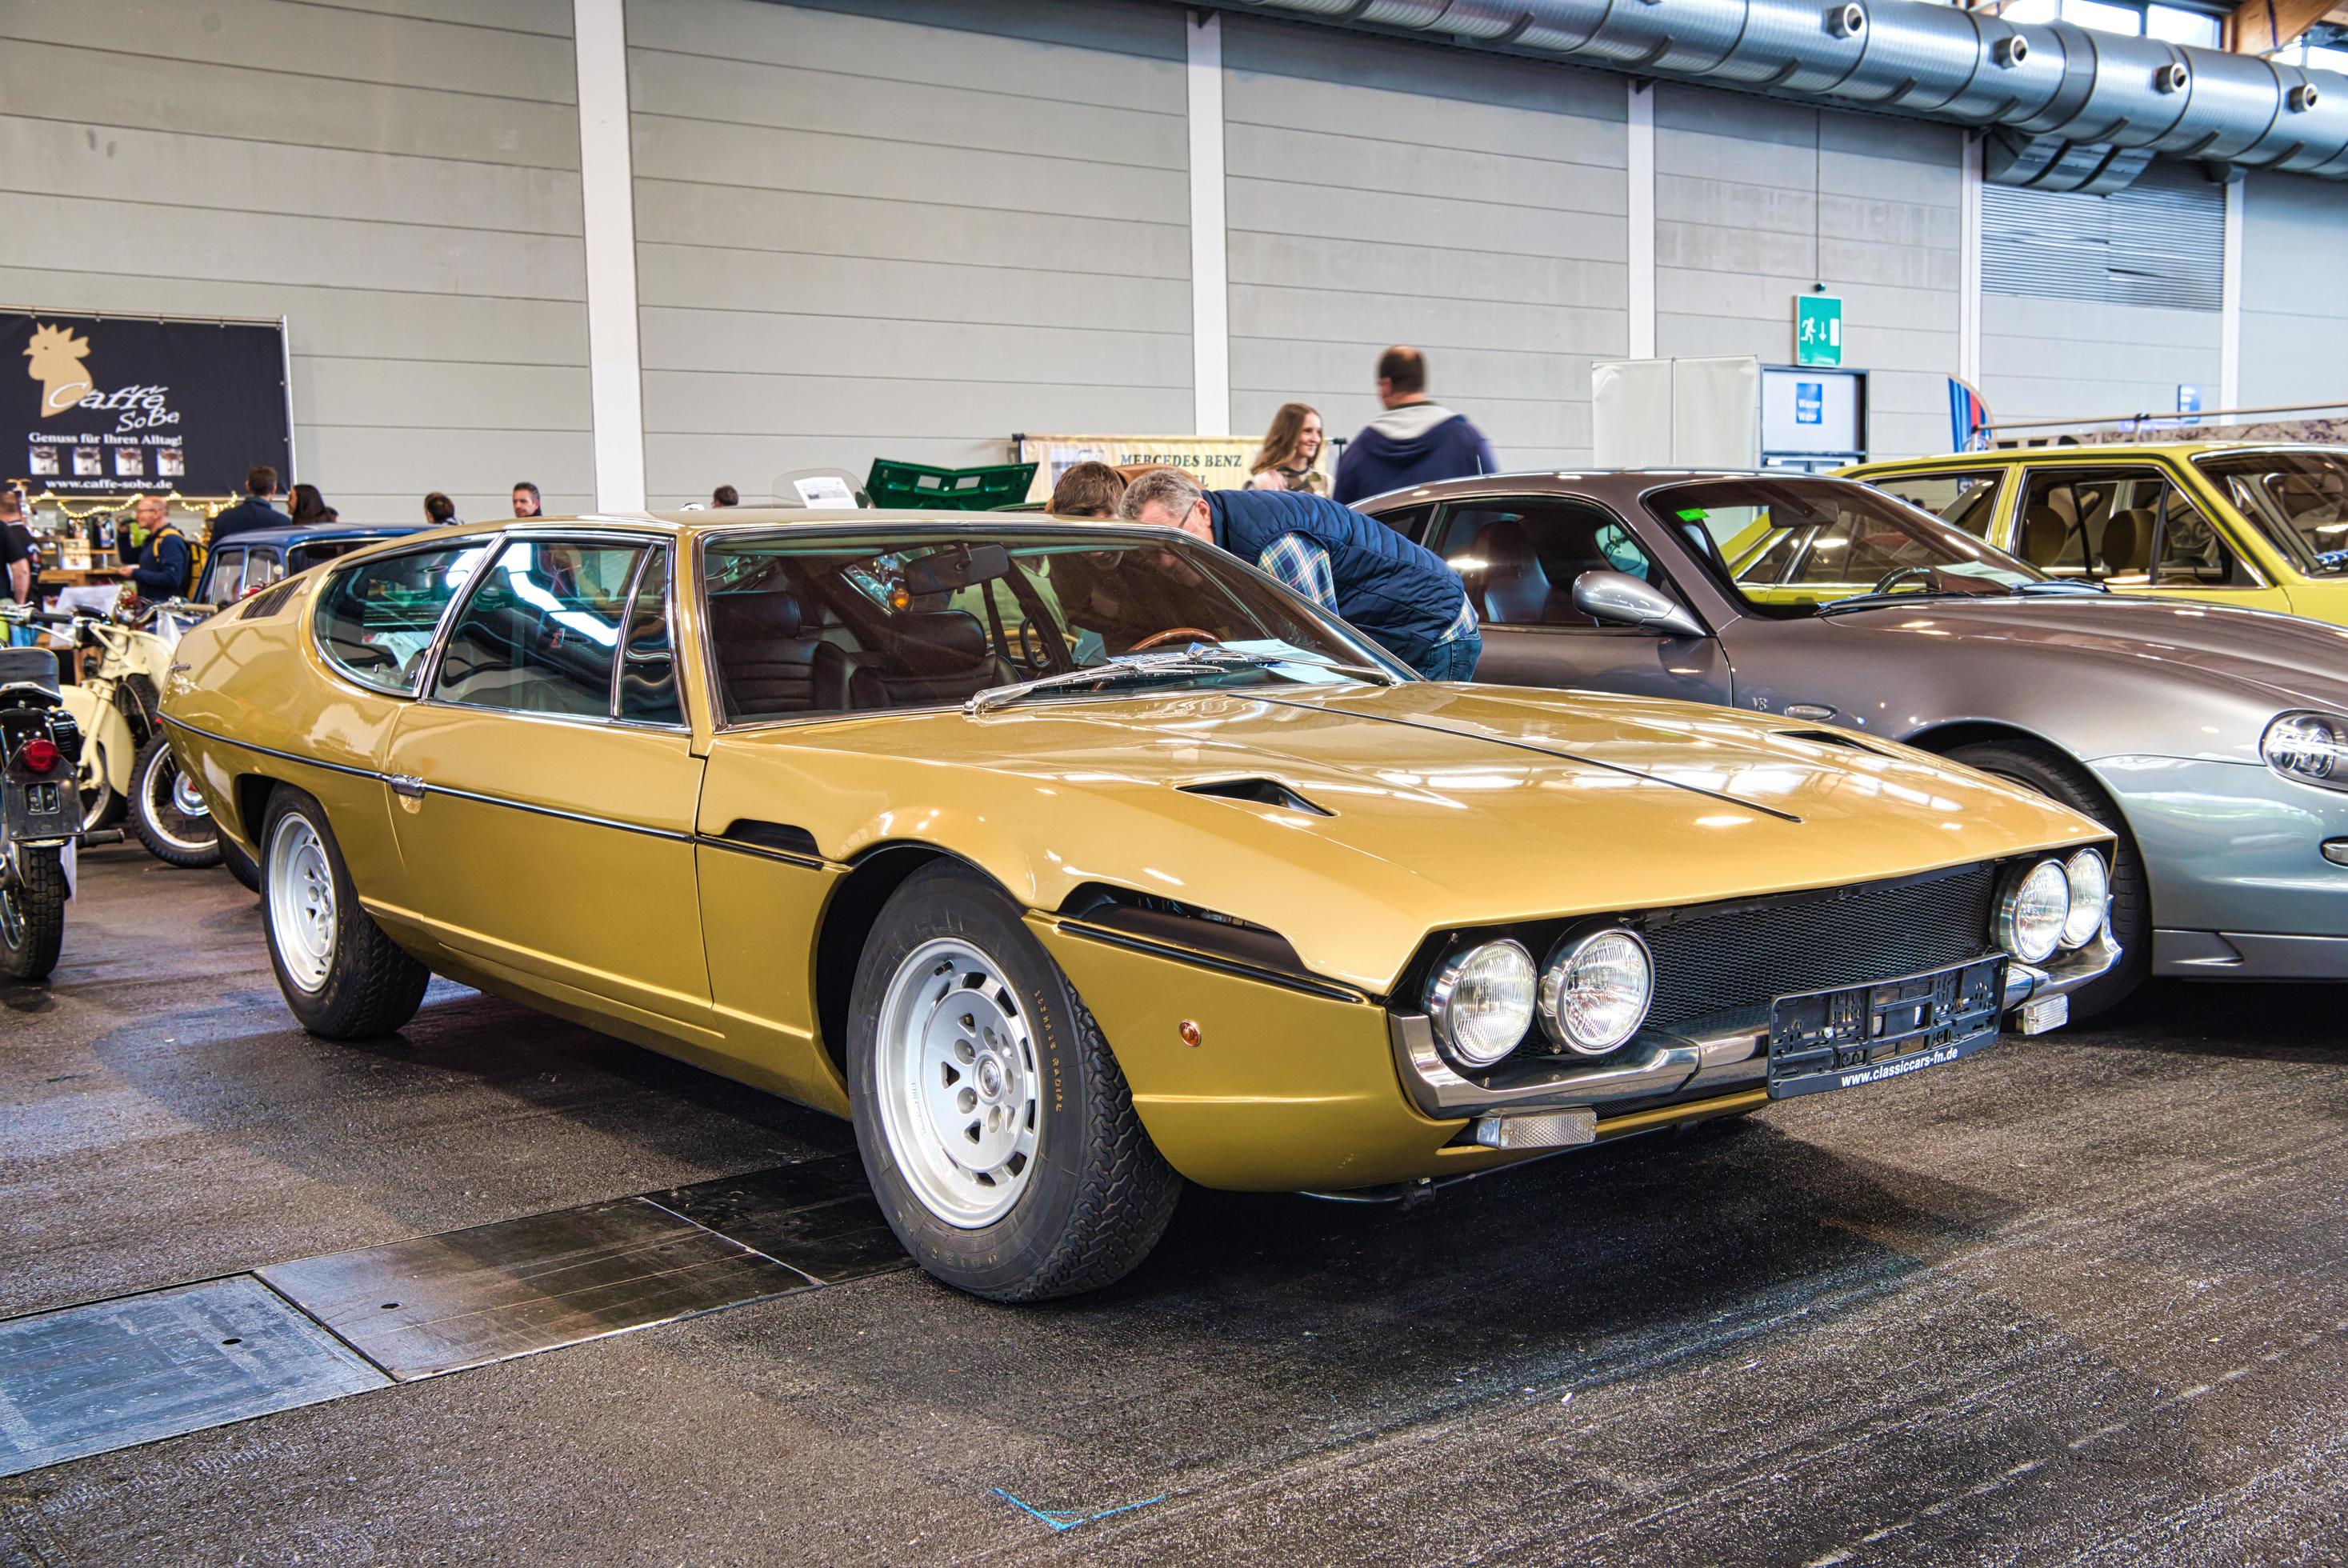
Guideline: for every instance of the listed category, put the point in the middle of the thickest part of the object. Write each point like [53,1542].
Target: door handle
[1809,710]
[406,785]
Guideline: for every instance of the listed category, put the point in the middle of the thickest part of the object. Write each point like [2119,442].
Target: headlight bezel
[1549,1002]
[2290,752]
[1441,996]
[2101,902]
[2013,901]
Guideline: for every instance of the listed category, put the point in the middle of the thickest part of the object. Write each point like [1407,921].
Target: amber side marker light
[1190,1032]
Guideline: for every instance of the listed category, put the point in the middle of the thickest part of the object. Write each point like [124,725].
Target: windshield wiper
[1195,660]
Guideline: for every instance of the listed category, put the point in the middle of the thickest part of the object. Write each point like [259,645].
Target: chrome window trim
[430,664]
[609,718]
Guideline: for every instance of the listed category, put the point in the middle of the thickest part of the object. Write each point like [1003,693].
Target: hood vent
[1826,737]
[1258,792]
[2072,110]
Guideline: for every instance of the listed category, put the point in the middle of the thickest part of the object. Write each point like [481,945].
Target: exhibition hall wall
[404,189]
[912,228]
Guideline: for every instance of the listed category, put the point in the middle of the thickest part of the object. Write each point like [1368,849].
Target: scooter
[127,763]
[40,746]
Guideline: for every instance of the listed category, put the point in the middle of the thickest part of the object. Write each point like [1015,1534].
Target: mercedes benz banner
[107,405]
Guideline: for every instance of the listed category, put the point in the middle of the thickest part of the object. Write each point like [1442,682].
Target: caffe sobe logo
[54,356]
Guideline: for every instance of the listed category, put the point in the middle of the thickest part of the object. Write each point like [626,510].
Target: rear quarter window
[375,621]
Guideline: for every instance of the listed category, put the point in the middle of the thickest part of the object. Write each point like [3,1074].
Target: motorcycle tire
[32,916]
[172,833]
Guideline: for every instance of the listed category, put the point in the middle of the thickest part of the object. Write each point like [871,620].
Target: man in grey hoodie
[1415,442]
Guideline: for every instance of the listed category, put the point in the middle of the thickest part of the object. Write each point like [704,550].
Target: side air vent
[1156,919]
[1259,792]
[268,601]
[1828,737]
[780,836]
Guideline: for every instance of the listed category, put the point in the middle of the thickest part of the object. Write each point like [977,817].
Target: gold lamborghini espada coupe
[1069,859]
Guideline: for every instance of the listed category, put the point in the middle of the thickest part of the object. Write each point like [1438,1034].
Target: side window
[1519,560]
[1410,521]
[221,575]
[375,621]
[260,571]
[2125,526]
[647,689]
[541,633]
[1967,499]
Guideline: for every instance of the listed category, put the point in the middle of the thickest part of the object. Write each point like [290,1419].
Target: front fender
[103,727]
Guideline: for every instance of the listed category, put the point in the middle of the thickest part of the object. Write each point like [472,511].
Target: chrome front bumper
[1661,1066]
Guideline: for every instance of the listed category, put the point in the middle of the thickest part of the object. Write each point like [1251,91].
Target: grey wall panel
[1757,201]
[2069,359]
[2294,317]
[399,181]
[1381,194]
[234,103]
[904,228]
[307,40]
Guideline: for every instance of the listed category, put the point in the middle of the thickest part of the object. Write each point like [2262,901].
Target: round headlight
[1595,991]
[2091,897]
[1480,1002]
[2312,747]
[2030,915]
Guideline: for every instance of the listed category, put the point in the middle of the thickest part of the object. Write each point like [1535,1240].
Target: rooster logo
[56,357]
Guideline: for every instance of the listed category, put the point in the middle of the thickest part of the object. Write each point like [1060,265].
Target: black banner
[107,405]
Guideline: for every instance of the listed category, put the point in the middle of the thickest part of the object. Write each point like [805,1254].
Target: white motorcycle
[127,765]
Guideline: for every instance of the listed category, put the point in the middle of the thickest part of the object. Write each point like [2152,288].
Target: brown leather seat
[2127,545]
[770,662]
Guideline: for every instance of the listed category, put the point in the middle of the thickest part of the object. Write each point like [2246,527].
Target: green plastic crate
[915,486]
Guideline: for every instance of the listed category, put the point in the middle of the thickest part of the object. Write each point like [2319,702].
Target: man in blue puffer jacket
[1354,566]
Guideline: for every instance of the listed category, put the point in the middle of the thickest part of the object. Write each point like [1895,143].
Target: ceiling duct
[2073,109]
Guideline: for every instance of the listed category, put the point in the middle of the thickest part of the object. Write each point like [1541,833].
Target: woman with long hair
[1290,452]
[309,506]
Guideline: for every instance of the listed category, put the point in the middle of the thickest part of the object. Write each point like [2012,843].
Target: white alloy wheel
[186,798]
[301,902]
[958,1092]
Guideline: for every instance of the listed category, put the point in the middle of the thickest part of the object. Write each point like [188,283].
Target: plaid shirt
[1302,565]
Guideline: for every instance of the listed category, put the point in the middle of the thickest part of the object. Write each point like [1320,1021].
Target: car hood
[1417,807]
[2292,661]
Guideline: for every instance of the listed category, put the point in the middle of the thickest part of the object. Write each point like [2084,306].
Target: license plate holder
[1856,1035]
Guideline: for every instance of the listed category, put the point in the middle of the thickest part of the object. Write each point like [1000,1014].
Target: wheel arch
[1944,737]
[846,924]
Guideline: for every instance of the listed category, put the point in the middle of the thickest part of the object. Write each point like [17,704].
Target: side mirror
[1619,599]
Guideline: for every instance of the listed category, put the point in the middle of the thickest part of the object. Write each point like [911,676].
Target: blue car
[247,562]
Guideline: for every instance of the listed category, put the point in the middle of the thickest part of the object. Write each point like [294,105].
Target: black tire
[175,837]
[2056,776]
[369,987]
[1098,1194]
[240,866]
[32,916]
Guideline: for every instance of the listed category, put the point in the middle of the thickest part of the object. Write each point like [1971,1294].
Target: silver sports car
[2213,740]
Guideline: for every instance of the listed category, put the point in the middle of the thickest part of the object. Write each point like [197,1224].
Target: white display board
[1813,412]
[1701,413]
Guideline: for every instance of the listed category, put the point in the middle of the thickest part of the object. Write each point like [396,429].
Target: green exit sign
[1817,329]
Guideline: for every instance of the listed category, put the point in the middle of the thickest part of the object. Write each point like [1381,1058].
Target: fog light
[2091,897]
[2032,911]
[1479,1002]
[1595,991]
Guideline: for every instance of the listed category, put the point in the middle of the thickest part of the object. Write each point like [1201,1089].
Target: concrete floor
[2078,1300]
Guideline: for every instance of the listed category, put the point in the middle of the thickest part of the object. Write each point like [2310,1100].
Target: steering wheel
[1172,633]
[1892,579]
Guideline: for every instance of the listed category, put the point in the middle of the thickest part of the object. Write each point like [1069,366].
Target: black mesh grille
[1719,970]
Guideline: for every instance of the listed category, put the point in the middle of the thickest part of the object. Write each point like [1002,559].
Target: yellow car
[2255,524]
[1063,896]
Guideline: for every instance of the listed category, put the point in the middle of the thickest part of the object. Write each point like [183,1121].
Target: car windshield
[1787,546]
[802,623]
[2298,499]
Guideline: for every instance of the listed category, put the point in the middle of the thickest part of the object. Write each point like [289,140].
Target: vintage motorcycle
[127,764]
[40,745]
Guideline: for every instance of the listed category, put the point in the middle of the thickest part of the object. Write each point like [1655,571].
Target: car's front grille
[1718,970]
